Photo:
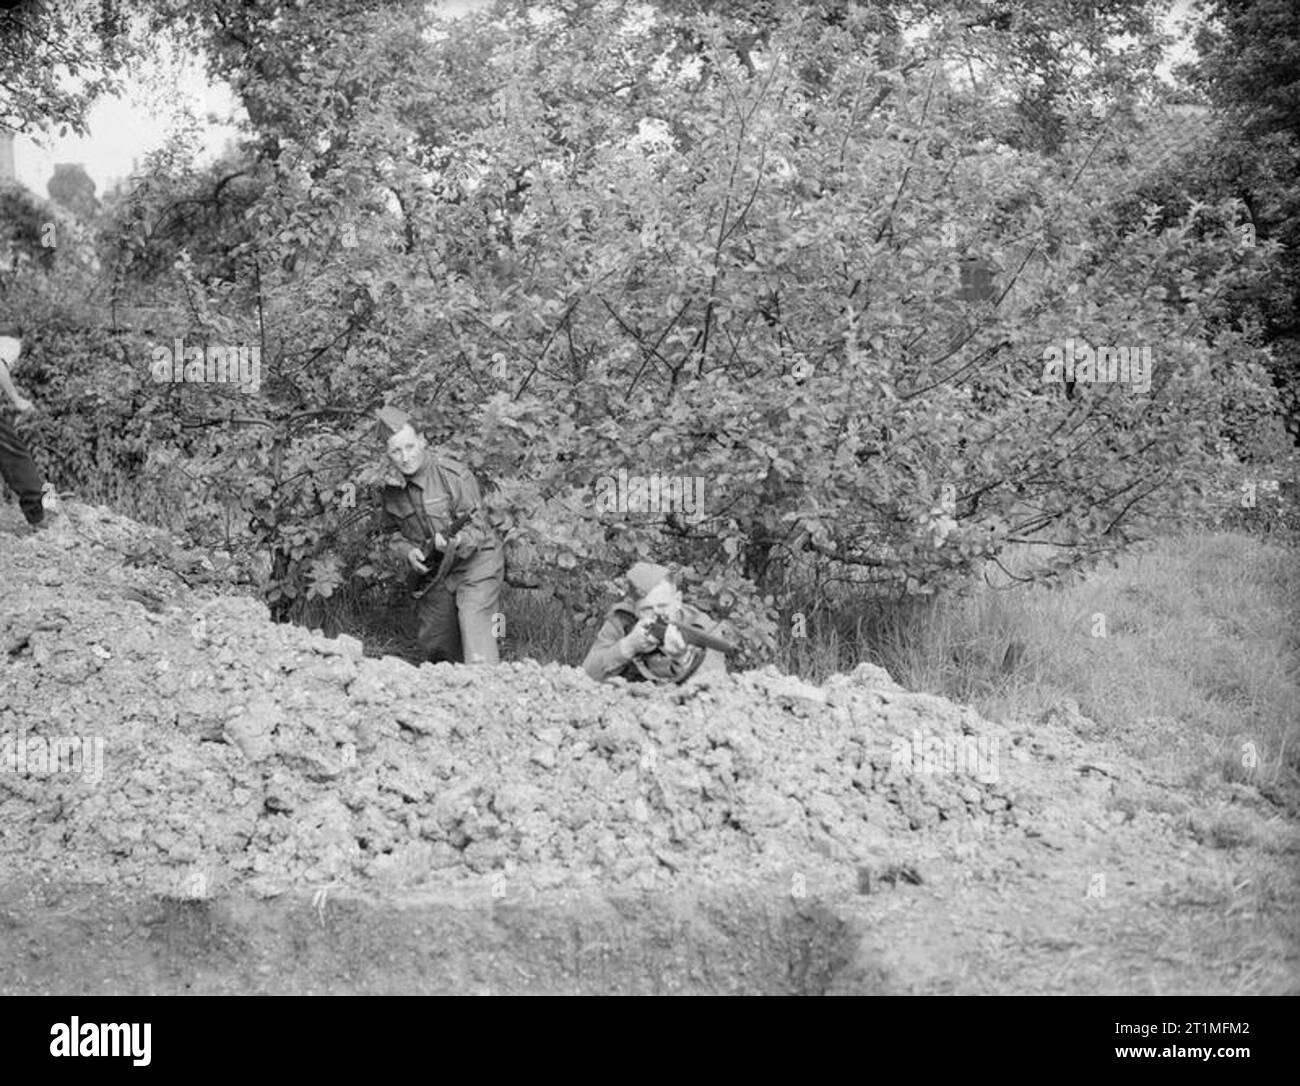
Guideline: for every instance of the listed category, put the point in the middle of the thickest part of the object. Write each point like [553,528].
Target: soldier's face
[663,599]
[407,450]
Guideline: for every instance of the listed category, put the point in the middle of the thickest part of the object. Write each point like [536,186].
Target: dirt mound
[235,749]
[178,744]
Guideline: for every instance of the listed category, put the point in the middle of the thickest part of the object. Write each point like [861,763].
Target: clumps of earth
[235,750]
[225,758]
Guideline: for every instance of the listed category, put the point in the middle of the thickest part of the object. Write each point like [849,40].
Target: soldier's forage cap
[644,576]
[392,419]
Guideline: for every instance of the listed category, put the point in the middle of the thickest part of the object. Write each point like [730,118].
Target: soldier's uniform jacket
[606,659]
[444,489]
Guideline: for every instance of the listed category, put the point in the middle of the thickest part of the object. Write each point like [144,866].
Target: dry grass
[1185,650]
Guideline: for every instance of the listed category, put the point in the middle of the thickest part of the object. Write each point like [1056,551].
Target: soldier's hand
[639,639]
[674,642]
[416,558]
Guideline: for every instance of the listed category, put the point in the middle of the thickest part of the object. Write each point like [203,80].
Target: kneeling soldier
[437,507]
[654,636]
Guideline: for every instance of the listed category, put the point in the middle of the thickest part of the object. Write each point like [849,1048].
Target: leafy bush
[819,274]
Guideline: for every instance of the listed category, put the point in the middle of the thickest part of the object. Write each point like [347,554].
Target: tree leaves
[765,306]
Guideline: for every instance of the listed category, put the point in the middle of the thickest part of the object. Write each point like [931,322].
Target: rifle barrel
[693,636]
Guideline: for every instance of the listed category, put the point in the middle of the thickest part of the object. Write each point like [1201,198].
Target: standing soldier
[16,465]
[435,504]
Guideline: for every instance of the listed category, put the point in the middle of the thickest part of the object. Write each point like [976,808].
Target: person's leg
[478,599]
[20,472]
[439,632]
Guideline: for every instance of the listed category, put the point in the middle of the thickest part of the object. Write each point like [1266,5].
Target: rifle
[690,635]
[439,562]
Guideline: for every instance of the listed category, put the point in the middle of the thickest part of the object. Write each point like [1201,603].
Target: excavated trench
[622,944]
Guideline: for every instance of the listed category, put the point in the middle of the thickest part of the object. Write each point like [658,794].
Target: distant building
[72,188]
[33,228]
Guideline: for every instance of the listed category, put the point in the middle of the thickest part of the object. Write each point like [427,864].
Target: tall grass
[1186,651]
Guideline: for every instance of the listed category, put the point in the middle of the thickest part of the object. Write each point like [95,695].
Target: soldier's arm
[606,656]
[7,386]
[391,526]
[477,533]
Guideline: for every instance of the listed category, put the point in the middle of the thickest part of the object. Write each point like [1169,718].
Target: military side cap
[392,419]
[644,576]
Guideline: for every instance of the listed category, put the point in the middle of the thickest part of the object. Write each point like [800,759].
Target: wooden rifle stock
[439,562]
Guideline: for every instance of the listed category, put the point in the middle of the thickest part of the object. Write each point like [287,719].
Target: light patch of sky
[652,135]
[455,8]
[640,19]
[154,107]
[1173,22]
[1176,22]
[151,112]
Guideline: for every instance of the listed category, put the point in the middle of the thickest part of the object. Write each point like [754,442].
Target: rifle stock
[440,562]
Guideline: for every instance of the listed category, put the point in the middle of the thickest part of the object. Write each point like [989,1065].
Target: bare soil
[278,812]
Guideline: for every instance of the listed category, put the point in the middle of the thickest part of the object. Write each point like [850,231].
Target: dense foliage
[802,259]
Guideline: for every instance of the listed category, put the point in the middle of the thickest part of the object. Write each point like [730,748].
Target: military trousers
[459,621]
[20,472]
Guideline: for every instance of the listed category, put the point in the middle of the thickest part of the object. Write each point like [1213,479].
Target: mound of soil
[168,743]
